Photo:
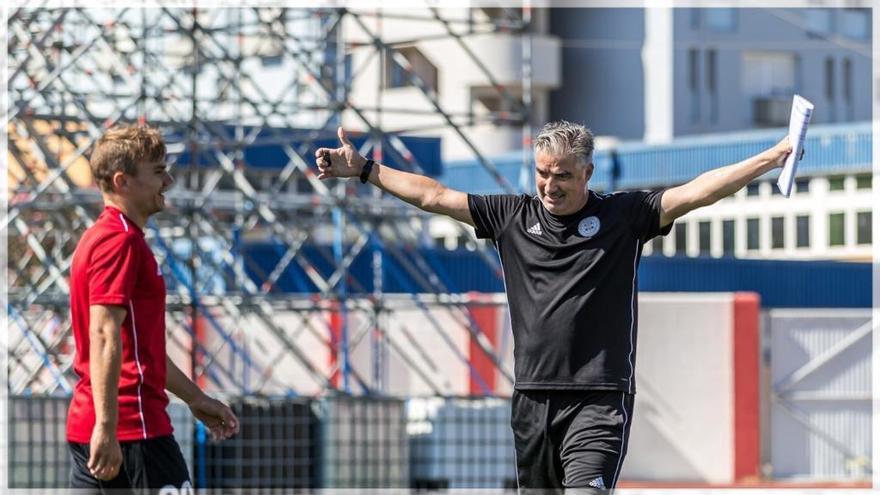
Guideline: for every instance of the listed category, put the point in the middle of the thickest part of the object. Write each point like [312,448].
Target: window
[835,183]
[753,233]
[681,238]
[728,236]
[489,102]
[802,230]
[767,80]
[273,60]
[657,245]
[705,237]
[712,83]
[847,79]
[777,232]
[802,185]
[774,189]
[847,89]
[694,83]
[753,189]
[502,15]
[769,73]
[836,231]
[710,69]
[818,21]
[723,20]
[397,75]
[863,227]
[829,78]
[855,23]
[439,242]
[863,181]
[695,18]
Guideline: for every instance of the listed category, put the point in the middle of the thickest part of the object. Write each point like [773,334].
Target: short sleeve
[642,210]
[113,270]
[492,212]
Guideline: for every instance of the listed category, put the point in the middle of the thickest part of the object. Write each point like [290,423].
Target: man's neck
[582,205]
[586,200]
[139,219]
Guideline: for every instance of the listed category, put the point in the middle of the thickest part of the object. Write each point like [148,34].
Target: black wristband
[365,171]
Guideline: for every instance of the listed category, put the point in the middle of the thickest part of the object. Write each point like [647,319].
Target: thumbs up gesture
[344,161]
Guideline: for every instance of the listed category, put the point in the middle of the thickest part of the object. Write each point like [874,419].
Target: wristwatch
[365,171]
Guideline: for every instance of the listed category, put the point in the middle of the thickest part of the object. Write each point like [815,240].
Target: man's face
[561,183]
[146,189]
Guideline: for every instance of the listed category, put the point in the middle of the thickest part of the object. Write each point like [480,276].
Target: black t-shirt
[571,284]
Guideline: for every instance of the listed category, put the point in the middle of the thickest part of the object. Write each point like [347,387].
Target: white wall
[683,422]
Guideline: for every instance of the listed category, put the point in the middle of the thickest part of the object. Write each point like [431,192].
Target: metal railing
[837,148]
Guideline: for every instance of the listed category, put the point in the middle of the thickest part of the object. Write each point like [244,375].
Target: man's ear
[589,171]
[119,181]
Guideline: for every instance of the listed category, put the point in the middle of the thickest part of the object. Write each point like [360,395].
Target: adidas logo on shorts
[535,229]
[598,483]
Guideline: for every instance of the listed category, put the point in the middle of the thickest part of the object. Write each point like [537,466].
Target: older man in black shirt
[570,259]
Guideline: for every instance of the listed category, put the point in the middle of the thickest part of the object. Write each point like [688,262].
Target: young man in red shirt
[118,429]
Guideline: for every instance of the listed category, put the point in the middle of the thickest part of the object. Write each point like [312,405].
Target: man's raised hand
[344,161]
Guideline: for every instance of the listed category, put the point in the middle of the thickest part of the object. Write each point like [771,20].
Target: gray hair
[562,138]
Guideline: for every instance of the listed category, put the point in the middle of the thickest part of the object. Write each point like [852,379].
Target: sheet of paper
[801,111]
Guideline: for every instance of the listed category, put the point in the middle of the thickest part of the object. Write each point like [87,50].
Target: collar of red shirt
[128,222]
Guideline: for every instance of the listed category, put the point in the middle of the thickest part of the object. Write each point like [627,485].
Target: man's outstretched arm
[716,184]
[417,190]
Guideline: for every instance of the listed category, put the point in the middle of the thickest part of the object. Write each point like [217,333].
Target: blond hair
[121,148]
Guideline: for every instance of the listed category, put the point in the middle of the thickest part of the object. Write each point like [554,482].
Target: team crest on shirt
[589,227]
[598,483]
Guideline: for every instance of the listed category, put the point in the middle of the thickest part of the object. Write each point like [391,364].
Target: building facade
[478,78]
[731,69]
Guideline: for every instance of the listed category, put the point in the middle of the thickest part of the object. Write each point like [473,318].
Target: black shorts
[148,467]
[571,438]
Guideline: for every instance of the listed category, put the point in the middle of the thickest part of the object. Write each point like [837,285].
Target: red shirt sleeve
[113,270]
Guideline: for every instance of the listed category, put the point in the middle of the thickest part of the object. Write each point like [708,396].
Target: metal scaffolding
[74,72]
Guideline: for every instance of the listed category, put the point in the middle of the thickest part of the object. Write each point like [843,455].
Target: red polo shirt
[113,265]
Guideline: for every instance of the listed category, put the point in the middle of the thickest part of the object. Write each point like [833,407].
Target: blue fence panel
[781,283]
[792,284]
[266,152]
